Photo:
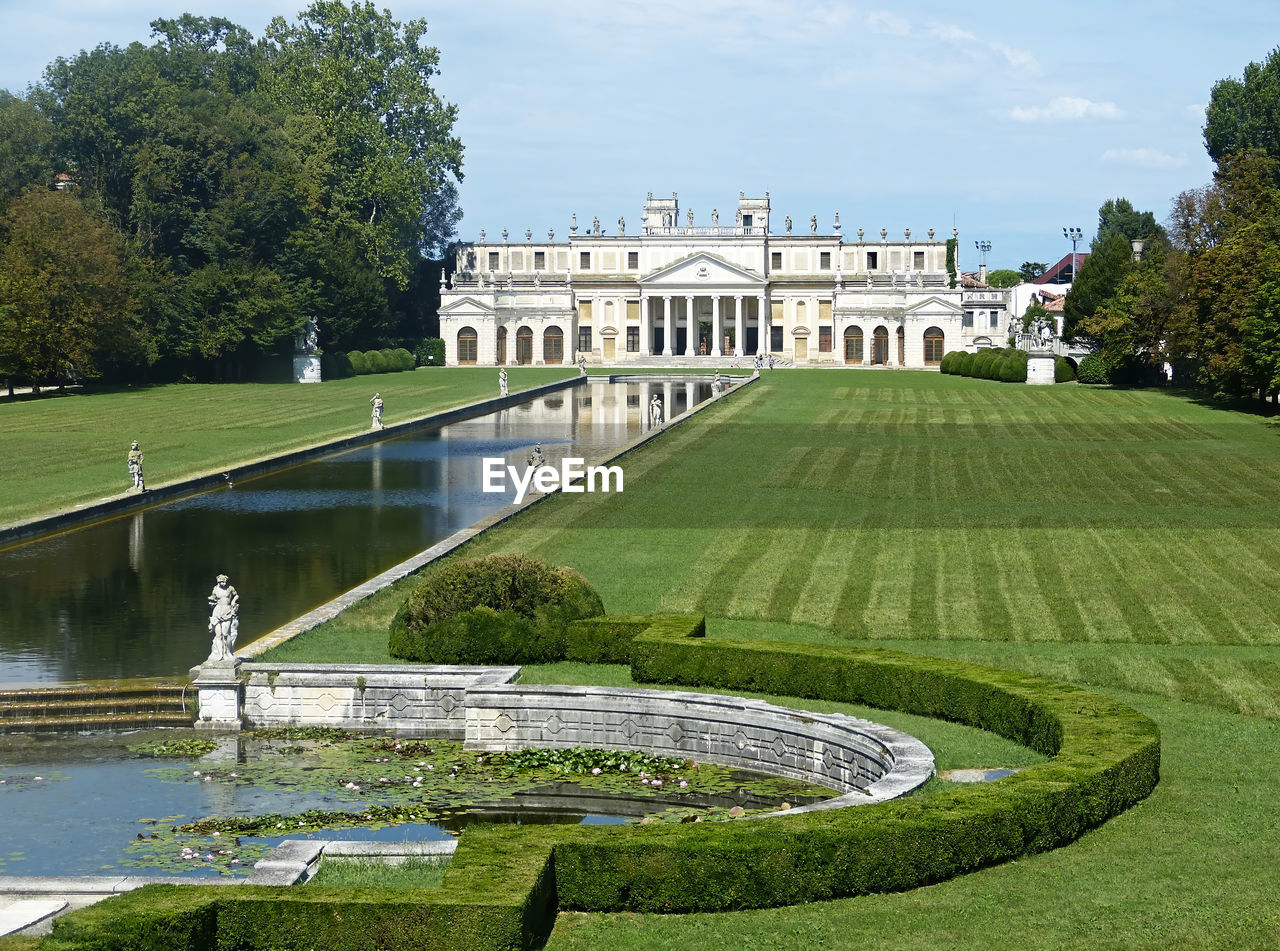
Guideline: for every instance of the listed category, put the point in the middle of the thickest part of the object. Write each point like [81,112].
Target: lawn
[59,451]
[1126,540]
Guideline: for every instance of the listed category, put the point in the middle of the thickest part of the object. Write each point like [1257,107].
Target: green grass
[62,451]
[413,872]
[1126,540]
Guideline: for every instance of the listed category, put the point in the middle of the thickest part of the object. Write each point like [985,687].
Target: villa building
[675,292]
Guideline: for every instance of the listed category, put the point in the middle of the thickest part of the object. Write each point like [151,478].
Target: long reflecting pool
[126,597]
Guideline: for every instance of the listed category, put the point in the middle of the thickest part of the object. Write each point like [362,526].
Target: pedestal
[306,368]
[1040,368]
[219,692]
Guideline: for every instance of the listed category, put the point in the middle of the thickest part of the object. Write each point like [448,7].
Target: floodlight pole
[1073,235]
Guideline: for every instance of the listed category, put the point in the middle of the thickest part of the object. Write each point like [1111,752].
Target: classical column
[715,326]
[646,341]
[762,327]
[690,335]
[667,321]
[668,403]
[739,321]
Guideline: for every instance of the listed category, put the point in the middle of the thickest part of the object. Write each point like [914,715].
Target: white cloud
[1066,107]
[1147,158]
[954,34]
[1019,59]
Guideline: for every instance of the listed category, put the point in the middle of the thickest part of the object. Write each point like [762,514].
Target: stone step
[105,723]
[85,706]
[141,688]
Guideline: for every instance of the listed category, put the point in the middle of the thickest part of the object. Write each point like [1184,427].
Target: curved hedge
[1093,369]
[505,882]
[1063,371]
[1008,365]
[500,609]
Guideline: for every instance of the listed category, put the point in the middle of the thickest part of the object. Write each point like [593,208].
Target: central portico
[702,305]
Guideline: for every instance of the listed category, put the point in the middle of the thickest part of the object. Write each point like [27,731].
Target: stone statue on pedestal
[135,467]
[788,223]
[376,402]
[655,411]
[690,217]
[813,224]
[502,382]
[715,217]
[309,340]
[224,620]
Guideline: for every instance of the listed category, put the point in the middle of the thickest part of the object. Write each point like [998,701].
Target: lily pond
[184,804]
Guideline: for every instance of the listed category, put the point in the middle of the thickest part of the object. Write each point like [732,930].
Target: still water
[126,597]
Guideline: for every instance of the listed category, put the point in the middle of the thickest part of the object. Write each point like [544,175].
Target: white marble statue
[788,224]
[135,467]
[715,217]
[224,620]
[376,402]
[582,363]
[655,411]
[536,458]
[502,382]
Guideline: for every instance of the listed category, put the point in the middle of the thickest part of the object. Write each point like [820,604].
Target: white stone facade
[632,297]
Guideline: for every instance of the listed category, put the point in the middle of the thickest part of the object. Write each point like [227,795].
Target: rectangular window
[917,261]
[995,319]
[584,339]
[824,261]
[967,320]
[824,339]
[633,260]
[873,260]
[775,260]
[584,260]
[584,310]
[746,221]
[493,260]
[775,339]
[633,340]
[539,260]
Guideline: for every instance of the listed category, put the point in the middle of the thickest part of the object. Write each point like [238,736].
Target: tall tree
[366,78]
[26,146]
[1245,113]
[1118,216]
[65,312]
[1030,270]
[1097,281]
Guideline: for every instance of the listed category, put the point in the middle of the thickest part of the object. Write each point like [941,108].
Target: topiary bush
[430,352]
[359,365]
[1093,369]
[489,610]
[1063,372]
[375,361]
[402,358]
[336,366]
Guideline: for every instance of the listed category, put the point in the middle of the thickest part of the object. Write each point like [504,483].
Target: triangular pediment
[934,305]
[703,270]
[466,305]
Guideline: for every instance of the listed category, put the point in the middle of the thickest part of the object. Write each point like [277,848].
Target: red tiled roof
[1060,273]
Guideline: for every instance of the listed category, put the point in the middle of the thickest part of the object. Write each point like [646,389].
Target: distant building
[1062,273]
[672,292]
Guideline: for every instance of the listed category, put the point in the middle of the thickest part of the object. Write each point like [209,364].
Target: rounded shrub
[376,362]
[336,366]
[1063,372]
[389,357]
[496,609]
[1093,369]
[403,358]
[964,365]
[359,365]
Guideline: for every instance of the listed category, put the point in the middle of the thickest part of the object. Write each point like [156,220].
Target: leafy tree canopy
[1030,270]
[1097,281]
[1245,113]
[1118,216]
[1003,277]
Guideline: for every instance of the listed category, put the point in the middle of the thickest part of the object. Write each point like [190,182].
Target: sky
[1007,120]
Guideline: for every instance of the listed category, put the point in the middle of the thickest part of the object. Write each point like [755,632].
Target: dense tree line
[1204,298]
[217,190]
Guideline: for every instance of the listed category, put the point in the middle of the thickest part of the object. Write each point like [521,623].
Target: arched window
[853,345]
[880,347]
[524,346]
[502,346]
[933,343]
[467,344]
[553,345]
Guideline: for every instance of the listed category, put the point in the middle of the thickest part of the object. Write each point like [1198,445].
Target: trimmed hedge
[500,609]
[1093,369]
[1008,365]
[504,882]
[1063,371]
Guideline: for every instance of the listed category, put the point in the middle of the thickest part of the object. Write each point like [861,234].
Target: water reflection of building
[675,289]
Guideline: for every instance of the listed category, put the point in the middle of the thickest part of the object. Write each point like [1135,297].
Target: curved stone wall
[867,761]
